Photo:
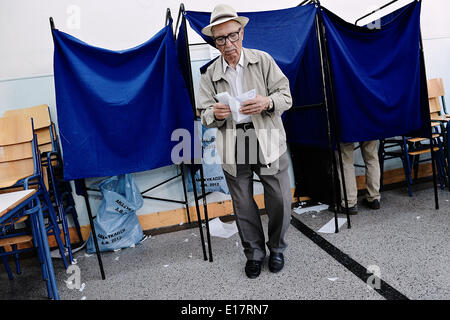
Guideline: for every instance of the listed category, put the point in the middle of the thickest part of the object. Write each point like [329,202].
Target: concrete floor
[407,240]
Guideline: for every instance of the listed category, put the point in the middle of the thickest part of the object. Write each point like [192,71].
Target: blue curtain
[376,75]
[289,36]
[117,109]
[284,34]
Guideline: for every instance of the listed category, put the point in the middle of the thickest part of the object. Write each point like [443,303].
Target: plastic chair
[52,162]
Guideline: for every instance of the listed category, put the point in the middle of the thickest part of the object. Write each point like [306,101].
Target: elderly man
[254,144]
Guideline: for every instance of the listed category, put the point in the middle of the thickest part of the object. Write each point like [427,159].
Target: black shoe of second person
[351,210]
[374,205]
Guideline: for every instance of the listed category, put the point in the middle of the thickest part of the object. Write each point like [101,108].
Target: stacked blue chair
[410,149]
[60,190]
[20,173]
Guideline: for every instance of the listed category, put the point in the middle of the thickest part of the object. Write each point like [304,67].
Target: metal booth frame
[328,103]
[182,173]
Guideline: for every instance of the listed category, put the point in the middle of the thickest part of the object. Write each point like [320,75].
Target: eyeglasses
[233,37]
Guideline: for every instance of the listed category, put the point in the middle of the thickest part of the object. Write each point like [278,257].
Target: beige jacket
[263,74]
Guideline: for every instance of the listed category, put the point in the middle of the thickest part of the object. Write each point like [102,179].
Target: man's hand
[255,105]
[221,111]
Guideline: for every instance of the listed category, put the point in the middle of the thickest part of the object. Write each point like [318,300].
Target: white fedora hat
[221,14]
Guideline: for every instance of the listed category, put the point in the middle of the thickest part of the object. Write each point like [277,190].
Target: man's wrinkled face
[231,51]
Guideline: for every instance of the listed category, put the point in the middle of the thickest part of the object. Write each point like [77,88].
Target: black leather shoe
[253,268]
[276,261]
[374,205]
[351,210]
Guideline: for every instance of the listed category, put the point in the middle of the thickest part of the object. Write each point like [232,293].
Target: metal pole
[178,18]
[188,56]
[380,8]
[52,24]
[304,2]
[205,209]
[192,96]
[425,101]
[185,193]
[94,234]
[88,207]
[330,144]
[168,17]
[199,218]
[325,53]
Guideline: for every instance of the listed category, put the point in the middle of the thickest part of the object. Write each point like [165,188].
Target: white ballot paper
[330,227]
[223,230]
[317,209]
[235,103]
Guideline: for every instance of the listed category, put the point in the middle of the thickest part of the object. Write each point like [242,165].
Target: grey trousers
[369,152]
[277,200]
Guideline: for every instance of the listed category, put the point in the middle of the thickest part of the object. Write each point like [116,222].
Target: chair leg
[72,211]
[66,233]
[16,257]
[447,153]
[440,156]
[37,241]
[46,254]
[54,224]
[381,155]
[406,166]
[5,263]
[61,212]
[439,167]
[416,160]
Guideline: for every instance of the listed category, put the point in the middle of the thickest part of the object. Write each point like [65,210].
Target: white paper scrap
[223,230]
[333,279]
[83,285]
[83,298]
[79,248]
[317,208]
[329,227]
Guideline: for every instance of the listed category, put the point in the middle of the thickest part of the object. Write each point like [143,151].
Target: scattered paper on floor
[333,279]
[330,226]
[317,208]
[223,230]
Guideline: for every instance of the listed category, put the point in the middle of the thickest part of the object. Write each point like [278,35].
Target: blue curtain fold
[117,109]
[376,75]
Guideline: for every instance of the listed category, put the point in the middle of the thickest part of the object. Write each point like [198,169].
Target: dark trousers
[277,200]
